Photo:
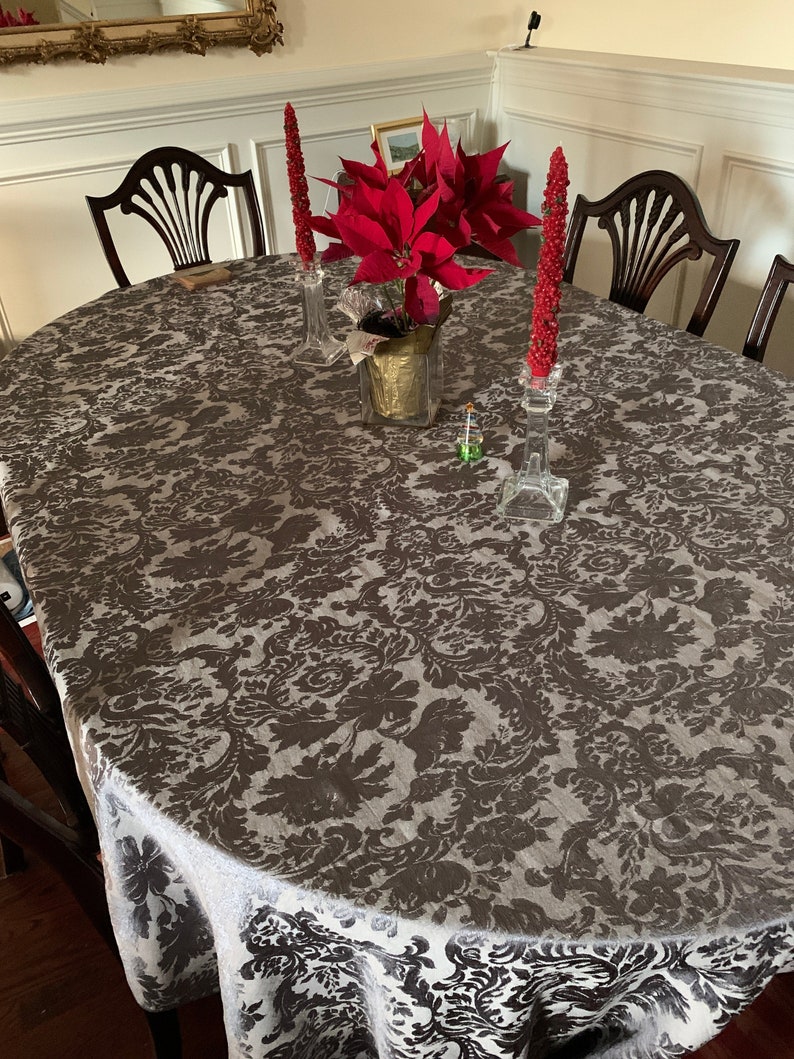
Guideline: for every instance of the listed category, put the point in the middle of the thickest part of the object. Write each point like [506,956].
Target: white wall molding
[774,180]
[733,162]
[102,113]
[728,131]
[745,93]
[6,335]
[692,152]
[219,155]
[53,152]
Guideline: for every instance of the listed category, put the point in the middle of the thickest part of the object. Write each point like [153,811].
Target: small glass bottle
[469,443]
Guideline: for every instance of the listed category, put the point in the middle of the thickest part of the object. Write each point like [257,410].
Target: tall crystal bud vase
[318,346]
[534,493]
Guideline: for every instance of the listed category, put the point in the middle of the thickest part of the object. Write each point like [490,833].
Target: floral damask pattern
[406,779]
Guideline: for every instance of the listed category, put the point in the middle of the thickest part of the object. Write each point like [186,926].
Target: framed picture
[398,141]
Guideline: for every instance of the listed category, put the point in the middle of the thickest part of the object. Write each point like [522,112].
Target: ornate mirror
[96,30]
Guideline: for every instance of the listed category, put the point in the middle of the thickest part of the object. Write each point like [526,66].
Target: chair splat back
[174,191]
[780,275]
[654,222]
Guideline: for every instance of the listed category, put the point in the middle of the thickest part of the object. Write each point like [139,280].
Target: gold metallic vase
[402,381]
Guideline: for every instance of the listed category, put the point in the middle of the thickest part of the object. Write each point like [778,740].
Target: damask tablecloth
[401,778]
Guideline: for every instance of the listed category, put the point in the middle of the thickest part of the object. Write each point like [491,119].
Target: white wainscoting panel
[53,269]
[6,338]
[726,132]
[322,150]
[604,154]
[55,152]
[757,203]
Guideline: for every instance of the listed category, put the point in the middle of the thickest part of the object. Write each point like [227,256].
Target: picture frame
[398,141]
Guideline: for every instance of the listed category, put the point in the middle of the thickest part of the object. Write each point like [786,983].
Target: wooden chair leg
[12,856]
[164,1030]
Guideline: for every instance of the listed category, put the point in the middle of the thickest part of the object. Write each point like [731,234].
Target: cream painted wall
[718,31]
[317,33]
[44,10]
[334,33]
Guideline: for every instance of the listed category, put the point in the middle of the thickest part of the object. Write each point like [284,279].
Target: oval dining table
[399,777]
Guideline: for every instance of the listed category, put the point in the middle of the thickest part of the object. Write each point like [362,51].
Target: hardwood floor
[70,1000]
[63,995]
[764,1031]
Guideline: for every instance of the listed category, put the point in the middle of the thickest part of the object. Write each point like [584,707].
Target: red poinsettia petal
[453,226]
[483,168]
[330,183]
[363,200]
[454,276]
[503,249]
[505,216]
[380,267]
[413,170]
[425,212]
[336,252]
[421,300]
[448,168]
[325,226]
[361,173]
[434,248]
[362,233]
[397,214]
[430,141]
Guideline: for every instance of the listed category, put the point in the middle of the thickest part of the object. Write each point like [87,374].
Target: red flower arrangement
[22,18]
[298,188]
[542,354]
[407,228]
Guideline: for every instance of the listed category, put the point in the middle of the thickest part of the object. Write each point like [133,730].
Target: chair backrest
[655,222]
[780,275]
[174,190]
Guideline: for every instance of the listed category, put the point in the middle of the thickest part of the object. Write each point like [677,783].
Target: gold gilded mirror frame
[255,27]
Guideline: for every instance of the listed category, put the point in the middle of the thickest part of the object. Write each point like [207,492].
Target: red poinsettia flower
[473,197]
[395,240]
[407,228]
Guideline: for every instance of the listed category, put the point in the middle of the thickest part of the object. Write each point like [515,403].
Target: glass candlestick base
[318,346]
[533,493]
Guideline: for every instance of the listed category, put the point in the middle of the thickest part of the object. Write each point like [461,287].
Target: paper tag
[360,344]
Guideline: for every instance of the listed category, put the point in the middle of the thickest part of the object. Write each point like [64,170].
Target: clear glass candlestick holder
[533,493]
[318,346]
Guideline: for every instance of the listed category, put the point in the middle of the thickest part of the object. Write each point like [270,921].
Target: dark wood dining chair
[174,190]
[655,222]
[780,275]
[30,715]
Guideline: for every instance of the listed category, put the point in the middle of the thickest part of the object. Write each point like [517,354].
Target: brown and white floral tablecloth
[407,780]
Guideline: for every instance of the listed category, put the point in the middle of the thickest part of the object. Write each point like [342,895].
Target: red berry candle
[298,187]
[542,354]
